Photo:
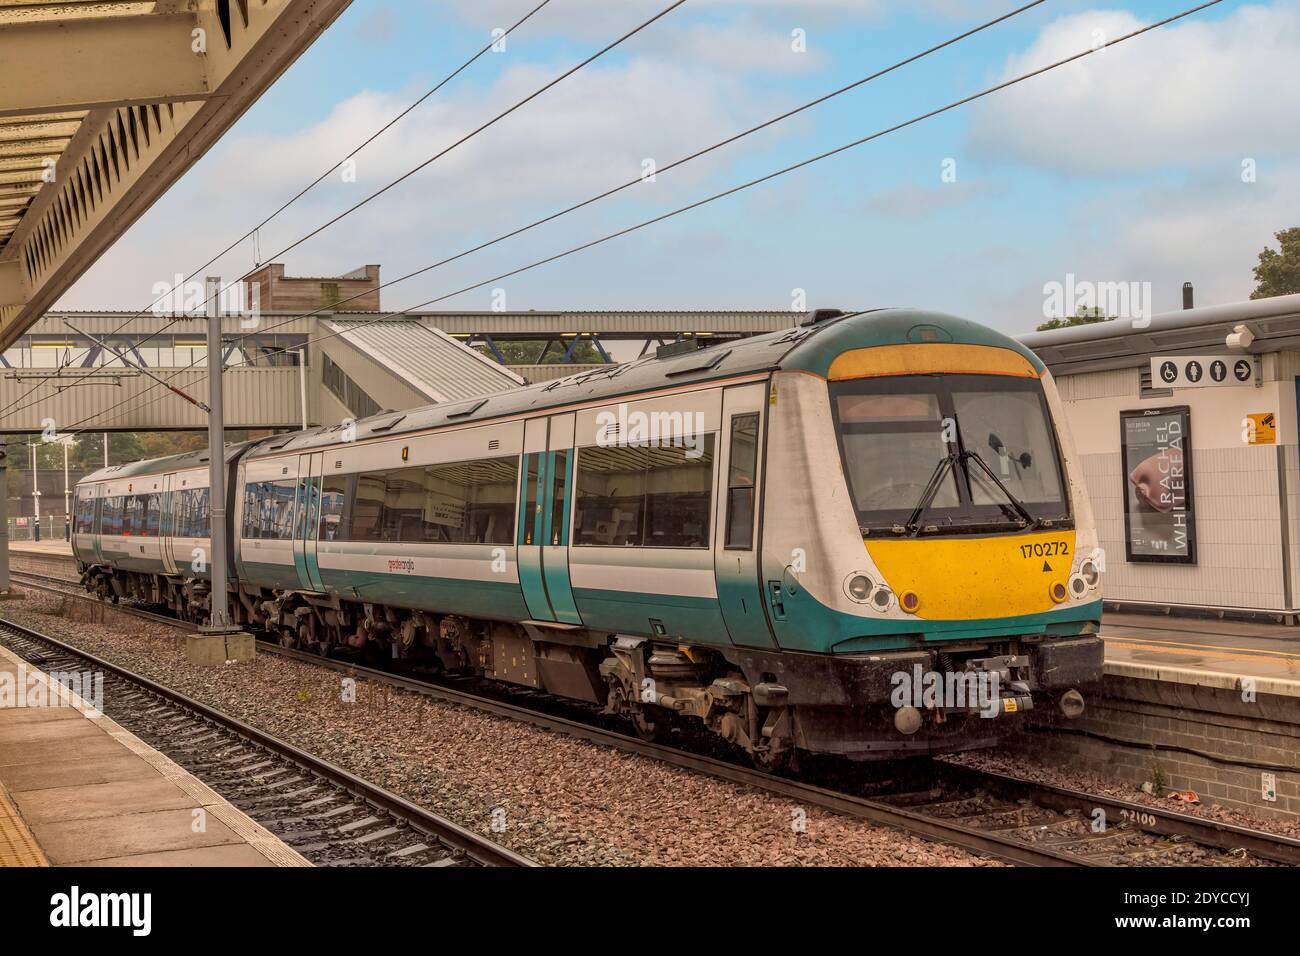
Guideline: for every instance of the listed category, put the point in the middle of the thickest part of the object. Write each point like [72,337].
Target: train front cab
[909,565]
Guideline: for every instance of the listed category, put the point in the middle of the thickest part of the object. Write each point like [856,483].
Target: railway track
[1018,821]
[330,816]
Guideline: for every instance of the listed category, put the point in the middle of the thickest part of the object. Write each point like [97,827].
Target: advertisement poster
[1157,465]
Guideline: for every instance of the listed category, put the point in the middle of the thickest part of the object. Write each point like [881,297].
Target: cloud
[1198,91]
[590,133]
[910,201]
[1208,231]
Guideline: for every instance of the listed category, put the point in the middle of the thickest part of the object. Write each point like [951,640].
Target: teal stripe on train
[491,600]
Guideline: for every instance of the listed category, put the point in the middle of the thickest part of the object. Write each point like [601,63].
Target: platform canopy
[104,104]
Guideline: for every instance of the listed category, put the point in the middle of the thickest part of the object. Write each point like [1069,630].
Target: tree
[1085,316]
[528,352]
[1278,273]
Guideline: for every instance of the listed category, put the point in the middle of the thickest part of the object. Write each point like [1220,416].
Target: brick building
[282,293]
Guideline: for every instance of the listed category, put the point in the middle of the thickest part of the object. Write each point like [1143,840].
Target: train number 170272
[1045,549]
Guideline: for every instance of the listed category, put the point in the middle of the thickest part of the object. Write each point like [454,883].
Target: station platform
[57,547]
[77,789]
[1208,653]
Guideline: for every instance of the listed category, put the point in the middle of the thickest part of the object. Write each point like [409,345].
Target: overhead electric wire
[308,188]
[423,165]
[679,162]
[771,176]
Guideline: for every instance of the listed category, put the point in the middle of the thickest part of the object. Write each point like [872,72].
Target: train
[866,536]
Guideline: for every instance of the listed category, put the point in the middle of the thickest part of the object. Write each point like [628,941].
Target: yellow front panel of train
[975,578]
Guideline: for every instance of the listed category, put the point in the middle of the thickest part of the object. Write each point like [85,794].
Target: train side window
[85,514]
[152,511]
[679,482]
[444,501]
[609,496]
[252,511]
[490,507]
[333,508]
[200,516]
[529,516]
[283,497]
[742,471]
[558,479]
[645,496]
[367,508]
[110,521]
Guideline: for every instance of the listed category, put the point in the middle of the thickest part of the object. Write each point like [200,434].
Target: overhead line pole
[219,640]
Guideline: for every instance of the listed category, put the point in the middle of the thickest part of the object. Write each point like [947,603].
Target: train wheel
[648,728]
[288,637]
[768,761]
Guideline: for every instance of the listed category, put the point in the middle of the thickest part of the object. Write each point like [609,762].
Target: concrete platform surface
[77,789]
[56,546]
[1211,653]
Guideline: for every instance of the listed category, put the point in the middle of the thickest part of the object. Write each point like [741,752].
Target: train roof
[155,466]
[809,347]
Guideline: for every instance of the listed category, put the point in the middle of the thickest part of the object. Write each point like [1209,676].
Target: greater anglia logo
[75,909]
[401,564]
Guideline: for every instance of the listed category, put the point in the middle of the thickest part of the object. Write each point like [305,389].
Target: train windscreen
[949,452]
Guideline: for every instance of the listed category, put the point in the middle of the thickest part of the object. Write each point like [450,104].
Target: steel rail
[1155,820]
[475,847]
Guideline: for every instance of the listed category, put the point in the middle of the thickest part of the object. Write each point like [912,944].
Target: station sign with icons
[1201,371]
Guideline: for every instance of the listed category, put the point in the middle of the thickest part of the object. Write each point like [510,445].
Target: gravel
[1076,779]
[558,800]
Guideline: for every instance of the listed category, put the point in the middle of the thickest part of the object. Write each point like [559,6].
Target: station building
[1186,427]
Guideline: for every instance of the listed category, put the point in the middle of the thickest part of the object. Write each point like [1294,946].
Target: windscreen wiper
[1016,503]
[927,496]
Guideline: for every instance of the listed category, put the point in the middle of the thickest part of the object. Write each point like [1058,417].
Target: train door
[167,523]
[557,514]
[736,512]
[307,511]
[529,537]
[97,492]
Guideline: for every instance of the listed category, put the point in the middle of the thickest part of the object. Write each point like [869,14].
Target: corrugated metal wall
[255,398]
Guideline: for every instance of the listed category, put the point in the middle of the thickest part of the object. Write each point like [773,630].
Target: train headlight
[1090,573]
[882,599]
[909,601]
[858,587]
[1058,592]
[1078,586]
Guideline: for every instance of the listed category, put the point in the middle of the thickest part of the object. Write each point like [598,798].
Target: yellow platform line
[1229,653]
[17,845]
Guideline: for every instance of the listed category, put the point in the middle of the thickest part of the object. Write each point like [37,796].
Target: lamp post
[36,497]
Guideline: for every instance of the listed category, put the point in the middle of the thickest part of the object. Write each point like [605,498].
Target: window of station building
[346,390]
[464,502]
[741,475]
[650,497]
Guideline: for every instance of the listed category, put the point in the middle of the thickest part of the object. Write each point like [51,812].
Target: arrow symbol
[1046,566]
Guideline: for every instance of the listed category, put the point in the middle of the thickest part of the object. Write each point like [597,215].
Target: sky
[1173,157]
